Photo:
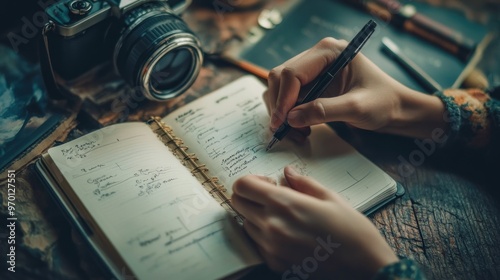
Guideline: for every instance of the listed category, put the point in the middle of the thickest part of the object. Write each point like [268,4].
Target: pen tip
[271,144]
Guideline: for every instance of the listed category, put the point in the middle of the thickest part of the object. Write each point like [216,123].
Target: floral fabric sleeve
[474,122]
[474,118]
[405,269]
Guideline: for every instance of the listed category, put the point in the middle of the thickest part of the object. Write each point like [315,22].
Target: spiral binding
[212,185]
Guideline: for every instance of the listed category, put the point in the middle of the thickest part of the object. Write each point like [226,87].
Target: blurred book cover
[26,119]
[301,24]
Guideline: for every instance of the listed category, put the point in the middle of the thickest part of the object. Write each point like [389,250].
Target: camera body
[150,46]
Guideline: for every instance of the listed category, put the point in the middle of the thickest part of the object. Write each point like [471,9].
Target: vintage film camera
[150,46]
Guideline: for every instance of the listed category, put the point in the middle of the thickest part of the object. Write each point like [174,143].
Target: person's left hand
[308,230]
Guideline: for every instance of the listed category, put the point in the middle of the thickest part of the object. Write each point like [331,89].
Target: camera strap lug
[56,93]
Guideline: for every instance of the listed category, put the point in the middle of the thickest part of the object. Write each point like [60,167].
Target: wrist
[374,258]
[381,256]
[417,115]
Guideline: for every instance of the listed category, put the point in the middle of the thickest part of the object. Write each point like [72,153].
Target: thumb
[321,110]
[305,184]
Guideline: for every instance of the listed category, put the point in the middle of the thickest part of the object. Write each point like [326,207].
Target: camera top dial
[80,7]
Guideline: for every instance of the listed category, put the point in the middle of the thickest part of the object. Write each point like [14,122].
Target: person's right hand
[361,95]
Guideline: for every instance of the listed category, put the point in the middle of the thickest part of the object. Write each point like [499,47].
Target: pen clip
[365,39]
[363,36]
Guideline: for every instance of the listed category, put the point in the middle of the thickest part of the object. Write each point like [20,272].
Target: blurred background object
[230,5]
[26,118]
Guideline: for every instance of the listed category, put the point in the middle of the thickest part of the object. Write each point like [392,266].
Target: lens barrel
[158,53]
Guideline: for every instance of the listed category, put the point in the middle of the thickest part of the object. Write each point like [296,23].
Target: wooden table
[448,220]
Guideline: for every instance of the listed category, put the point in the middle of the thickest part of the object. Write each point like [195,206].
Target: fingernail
[276,121]
[295,118]
[291,171]
[267,179]
[273,120]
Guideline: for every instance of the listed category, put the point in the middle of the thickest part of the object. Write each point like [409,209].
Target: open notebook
[153,209]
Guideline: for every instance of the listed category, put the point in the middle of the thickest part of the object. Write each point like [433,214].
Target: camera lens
[157,52]
[171,70]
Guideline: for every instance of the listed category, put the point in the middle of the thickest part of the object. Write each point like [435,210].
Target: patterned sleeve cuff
[405,269]
[467,115]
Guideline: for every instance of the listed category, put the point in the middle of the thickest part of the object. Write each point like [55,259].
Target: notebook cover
[399,193]
[77,221]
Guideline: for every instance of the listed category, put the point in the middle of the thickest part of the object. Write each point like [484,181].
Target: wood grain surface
[448,220]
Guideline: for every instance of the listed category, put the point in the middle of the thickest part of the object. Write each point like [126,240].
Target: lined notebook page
[154,212]
[228,131]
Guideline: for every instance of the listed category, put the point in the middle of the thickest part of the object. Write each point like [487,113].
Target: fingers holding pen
[359,107]
[274,82]
[286,80]
[299,134]
[321,110]
[290,84]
